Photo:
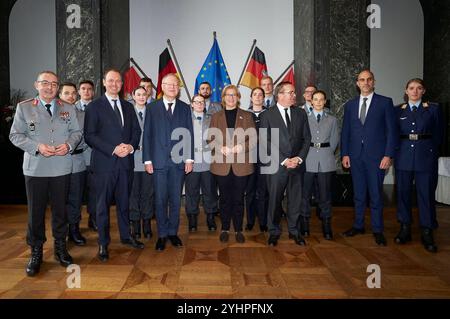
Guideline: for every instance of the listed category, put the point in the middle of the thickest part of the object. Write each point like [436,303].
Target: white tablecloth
[443,188]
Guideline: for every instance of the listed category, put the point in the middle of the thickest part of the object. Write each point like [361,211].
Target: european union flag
[215,72]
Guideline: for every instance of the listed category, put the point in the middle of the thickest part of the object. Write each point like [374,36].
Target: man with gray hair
[47,130]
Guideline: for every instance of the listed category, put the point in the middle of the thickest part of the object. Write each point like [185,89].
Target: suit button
[412,145]
[412,131]
[414,124]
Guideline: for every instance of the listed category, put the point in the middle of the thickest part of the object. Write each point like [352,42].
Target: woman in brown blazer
[232,138]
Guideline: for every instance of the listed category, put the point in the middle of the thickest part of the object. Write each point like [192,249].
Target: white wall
[190,25]
[396,53]
[32,42]
[396,50]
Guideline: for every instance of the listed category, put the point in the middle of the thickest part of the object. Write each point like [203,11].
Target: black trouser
[256,197]
[323,196]
[142,203]
[193,183]
[75,197]
[277,183]
[113,185]
[90,186]
[41,191]
[232,189]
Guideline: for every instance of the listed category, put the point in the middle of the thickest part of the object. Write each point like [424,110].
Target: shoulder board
[403,106]
[425,105]
[33,100]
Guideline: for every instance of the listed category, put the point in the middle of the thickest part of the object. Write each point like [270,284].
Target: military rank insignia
[64,116]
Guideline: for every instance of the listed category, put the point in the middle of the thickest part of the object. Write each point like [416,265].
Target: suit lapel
[280,122]
[372,107]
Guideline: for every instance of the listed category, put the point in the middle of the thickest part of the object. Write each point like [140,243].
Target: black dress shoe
[103,253]
[263,228]
[380,239]
[75,235]
[298,239]
[428,241]
[192,221]
[326,229]
[136,228]
[304,226]
[249,227]
[92,224]
[147,228]
[61,253]
[161,243]
[133,243]
[353,231]
[273,240]
[176,241]
[211,222]
[240,237]
[34,264]
[404,235]
[224,236]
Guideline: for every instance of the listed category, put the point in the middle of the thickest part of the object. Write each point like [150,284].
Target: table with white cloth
[443,188]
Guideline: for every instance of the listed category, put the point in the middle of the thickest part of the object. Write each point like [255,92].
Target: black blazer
[103,132]
[289,144]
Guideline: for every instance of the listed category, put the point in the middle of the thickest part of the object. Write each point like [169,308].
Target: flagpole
[124,65]
[178,69]
[142,71]
[246,62]
[284,72]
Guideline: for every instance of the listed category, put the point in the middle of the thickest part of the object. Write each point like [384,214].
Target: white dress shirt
[361,101]
[119,106]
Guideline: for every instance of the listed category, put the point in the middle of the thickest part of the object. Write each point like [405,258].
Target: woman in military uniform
[421,134]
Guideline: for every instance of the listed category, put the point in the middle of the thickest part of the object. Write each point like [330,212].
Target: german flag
[290,76]
[256,69]
[166,66]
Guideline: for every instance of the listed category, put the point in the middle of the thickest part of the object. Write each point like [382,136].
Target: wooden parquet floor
[206,268]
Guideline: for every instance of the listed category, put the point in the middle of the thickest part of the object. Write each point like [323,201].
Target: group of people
[141,154]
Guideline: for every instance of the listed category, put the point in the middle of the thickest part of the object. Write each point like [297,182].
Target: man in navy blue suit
[111,129]
[168,150]
[368,142]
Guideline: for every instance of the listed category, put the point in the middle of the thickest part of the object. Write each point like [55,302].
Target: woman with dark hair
[421,134]
[256,197]
[231,137]
[142,194]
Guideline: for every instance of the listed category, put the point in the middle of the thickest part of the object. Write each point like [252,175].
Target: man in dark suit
[368,142]
[112,130]
[289,150]
[168,150]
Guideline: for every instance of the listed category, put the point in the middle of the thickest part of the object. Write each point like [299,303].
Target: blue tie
[414,108]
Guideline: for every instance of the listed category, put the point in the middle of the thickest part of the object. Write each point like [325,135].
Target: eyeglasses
[47,83]
[199,102]
[175,85]
[290,92]
[231,95]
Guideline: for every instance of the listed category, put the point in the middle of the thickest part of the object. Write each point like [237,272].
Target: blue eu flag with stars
[215,72]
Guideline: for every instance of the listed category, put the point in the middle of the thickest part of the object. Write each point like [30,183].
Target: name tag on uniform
[403,118]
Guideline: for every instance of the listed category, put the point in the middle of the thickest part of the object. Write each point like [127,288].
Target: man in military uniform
[86,93]
[46,129]
[68,94]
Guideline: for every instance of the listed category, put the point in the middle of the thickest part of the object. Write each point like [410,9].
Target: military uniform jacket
[419,155]
[138,163]
[80,161]
[33,125]
[325,131]
[202,153]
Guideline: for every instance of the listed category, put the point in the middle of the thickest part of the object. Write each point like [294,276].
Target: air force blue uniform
[421,133]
